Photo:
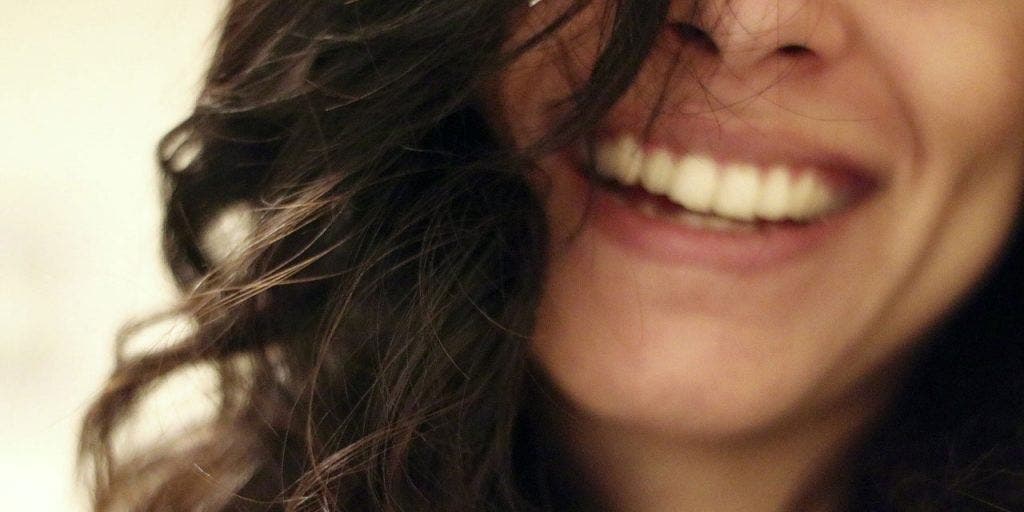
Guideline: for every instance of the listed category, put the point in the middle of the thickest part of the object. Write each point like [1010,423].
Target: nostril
[694,35]
[794,50]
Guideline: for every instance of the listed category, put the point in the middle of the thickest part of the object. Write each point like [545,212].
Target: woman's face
[861,162]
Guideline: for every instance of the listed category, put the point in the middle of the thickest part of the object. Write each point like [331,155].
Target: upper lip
[762,146]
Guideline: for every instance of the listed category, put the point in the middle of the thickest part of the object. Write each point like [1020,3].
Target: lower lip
[672,243]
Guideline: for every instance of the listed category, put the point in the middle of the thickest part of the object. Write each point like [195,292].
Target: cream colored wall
[86,88]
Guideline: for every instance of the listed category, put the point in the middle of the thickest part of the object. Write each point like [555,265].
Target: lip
[773,245]
[676,244]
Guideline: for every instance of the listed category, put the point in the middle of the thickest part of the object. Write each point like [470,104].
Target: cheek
[971,226]
[976,111]
[962,88]
[532,91]
[964,99]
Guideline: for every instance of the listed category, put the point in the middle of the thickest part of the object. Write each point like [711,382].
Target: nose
[745,34]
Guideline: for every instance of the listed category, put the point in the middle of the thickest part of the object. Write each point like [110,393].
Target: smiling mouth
[697,190]
[741,203]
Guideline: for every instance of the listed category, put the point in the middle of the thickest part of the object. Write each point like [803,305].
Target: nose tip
[742,34]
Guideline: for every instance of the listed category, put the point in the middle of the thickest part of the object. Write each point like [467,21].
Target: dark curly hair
[369,332]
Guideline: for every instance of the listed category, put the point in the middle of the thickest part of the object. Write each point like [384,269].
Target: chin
[688,377]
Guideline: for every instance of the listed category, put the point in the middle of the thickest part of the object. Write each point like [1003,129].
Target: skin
[702,388]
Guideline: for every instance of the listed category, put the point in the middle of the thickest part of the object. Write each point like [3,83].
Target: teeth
[773,202]
[658,171]
[737,192]
[809,196]
[696,184]
[696,220]
[623,159]
[711,222]
[801,197]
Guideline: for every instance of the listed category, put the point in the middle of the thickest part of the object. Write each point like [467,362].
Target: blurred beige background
[86,89]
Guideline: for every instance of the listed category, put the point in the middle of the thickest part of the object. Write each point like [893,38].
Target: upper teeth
[735,191]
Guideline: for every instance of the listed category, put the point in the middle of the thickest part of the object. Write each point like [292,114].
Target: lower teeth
[696,220]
